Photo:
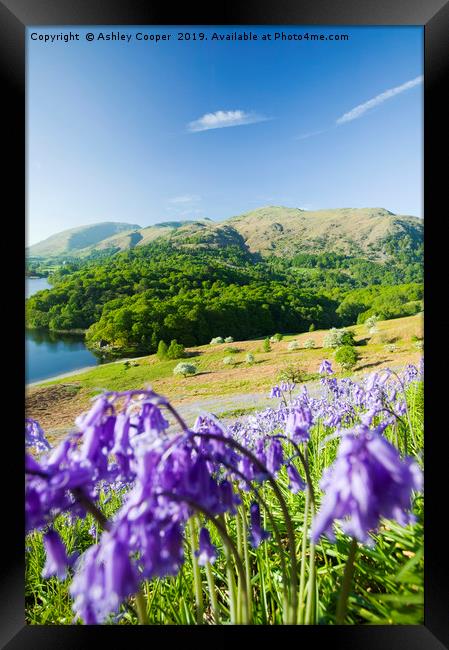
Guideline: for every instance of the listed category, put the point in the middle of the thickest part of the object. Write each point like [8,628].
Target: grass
[215,379]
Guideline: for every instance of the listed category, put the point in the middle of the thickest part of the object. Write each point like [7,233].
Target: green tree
[175,350]
[266,345]
[312,328]
[162,350]
[347,356]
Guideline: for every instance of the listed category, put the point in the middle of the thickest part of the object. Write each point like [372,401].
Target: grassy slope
[269,230]
[55,404]
[74,239]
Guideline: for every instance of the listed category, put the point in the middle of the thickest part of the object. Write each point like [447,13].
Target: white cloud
[310,134]
[220,119]
[185,198]
[361,109]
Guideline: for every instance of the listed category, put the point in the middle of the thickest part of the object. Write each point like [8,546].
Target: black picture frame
[15,17]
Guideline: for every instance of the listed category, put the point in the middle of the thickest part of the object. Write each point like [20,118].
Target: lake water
[49,354]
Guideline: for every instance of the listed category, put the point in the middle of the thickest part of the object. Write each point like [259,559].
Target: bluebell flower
[207,551]
[296,484]
[368,480]
[257,534]
[56,557]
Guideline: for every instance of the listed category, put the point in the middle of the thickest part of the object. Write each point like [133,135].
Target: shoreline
[78,371]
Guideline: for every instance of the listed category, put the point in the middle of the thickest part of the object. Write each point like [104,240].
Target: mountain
[270,230]
[74,240]
[351,231]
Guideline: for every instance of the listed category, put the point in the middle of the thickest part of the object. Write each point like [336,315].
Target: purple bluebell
[296,484]
[257,534]
[261,455]
[368,480]
[410,374]
[275,392]
[56,557]
[35,436]
[274,456]
[325,368]
[207,551]
[298,424]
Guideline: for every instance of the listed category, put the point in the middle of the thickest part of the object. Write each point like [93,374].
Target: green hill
[371,233]
[75,240]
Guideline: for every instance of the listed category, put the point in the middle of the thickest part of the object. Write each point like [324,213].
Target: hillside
[74,240]
[219,387]
[351,231]
[271,230]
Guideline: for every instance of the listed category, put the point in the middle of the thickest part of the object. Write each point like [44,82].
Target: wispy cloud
[310,134]
[185,198]
[220,119]
[361,109]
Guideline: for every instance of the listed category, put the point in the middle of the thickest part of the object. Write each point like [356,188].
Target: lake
[49,353]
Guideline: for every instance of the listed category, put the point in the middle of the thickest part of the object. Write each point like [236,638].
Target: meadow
[56,403]
[307,512]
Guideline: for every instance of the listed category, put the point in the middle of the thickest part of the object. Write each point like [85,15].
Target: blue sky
[143,132]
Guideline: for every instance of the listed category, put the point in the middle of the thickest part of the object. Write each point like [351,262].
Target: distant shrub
[175,350]
[292,374]
[229,339]
[249,358]
[371,323]
[232,350]
[293,345]
[419,345]
[162,350]
[309,343]
[391,347]
[416,338]
[336,338]
[185,369]
[276,337]
[312,328]
[347,356]
[266,345]
[229,361]
[216,340]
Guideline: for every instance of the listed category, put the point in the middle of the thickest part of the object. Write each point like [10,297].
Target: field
[218,387]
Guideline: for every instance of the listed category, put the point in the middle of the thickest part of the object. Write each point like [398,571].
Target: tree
[371,322]
[312,328]
[347,356]
[184,369]
[162,350]
[292,373]
[229,361]
[335,338]
[309,343]
[293,345]
[229,339]
[175,350]
[266,345]
[249,358]
[347,338]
